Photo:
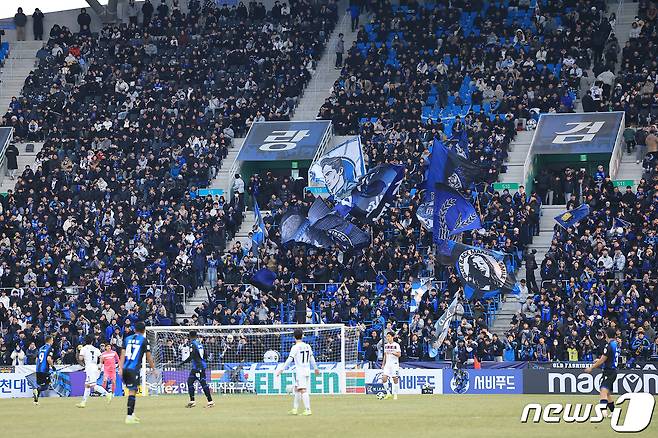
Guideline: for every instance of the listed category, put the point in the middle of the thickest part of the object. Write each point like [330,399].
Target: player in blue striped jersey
[608,363]
[130,363]
[44,363]
[198,371]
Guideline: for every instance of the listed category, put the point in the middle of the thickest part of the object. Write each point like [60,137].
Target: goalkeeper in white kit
[302,354]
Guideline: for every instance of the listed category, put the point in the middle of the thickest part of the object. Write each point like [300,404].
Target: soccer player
[302,354]
[110,360]
[90,357]
[44,363]
[608,363]
[198,371]
[134,347]
[391,366]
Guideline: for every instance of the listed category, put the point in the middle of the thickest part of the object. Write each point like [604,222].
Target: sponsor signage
[559,365]
[411,380]
[259,378]
[272,141]
[19,381]
[492,381]
[582,133]
[578,382]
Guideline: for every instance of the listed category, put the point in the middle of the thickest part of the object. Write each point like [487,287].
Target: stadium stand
[136,118]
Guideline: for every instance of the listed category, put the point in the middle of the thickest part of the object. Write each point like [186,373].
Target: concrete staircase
[225,175]
[201,294]
[520,148]
[624,20]
[24,159]
[325,75]
[17,67]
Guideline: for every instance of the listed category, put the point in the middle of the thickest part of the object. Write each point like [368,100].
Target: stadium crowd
[108,228]
[135,119]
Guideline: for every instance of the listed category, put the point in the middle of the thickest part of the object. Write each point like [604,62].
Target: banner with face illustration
[484,273]
[339,169]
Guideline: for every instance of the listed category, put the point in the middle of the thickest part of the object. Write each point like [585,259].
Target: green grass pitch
[265,416]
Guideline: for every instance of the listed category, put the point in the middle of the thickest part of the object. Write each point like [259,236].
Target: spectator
[84,21]
[340,49]
[147,12]
[133,12]
[37,24]
[17,356]
[20,20]
[11,154]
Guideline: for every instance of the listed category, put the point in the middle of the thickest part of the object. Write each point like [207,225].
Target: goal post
[245,358]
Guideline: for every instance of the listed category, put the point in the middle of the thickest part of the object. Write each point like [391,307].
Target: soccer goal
[244,358]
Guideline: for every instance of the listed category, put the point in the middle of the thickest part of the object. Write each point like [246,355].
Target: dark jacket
[12,154]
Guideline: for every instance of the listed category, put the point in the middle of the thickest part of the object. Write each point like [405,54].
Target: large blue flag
[446,166]
[483,273]
[323,228]
[571,217]
[263,279]
[453,214]
[373,192]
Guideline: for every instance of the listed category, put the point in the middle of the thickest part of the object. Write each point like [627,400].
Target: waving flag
[448,167]
[375,189]
[323,228]
[621,223]
[453,214]
[483,273]
[461,147]
[260,233]
[263,279]
[425,213]
[418,289]
[340,168]
[443,323]
[572,217]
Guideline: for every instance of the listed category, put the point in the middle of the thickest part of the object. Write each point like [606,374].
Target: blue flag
[461,147]
[373,191]
[453,214]
[483,273]
[448,167]
[571,217]
[443,323]
[263,279]
[620,223]
[323,228]
[260,233]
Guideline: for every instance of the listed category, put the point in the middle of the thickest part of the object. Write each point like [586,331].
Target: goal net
[244,359]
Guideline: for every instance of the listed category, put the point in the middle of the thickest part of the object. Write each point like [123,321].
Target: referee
[608,363]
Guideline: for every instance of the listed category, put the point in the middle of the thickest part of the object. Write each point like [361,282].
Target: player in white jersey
[391,366]
[302,354]
[89,357]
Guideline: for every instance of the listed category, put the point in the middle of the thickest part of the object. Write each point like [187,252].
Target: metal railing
[158,289]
